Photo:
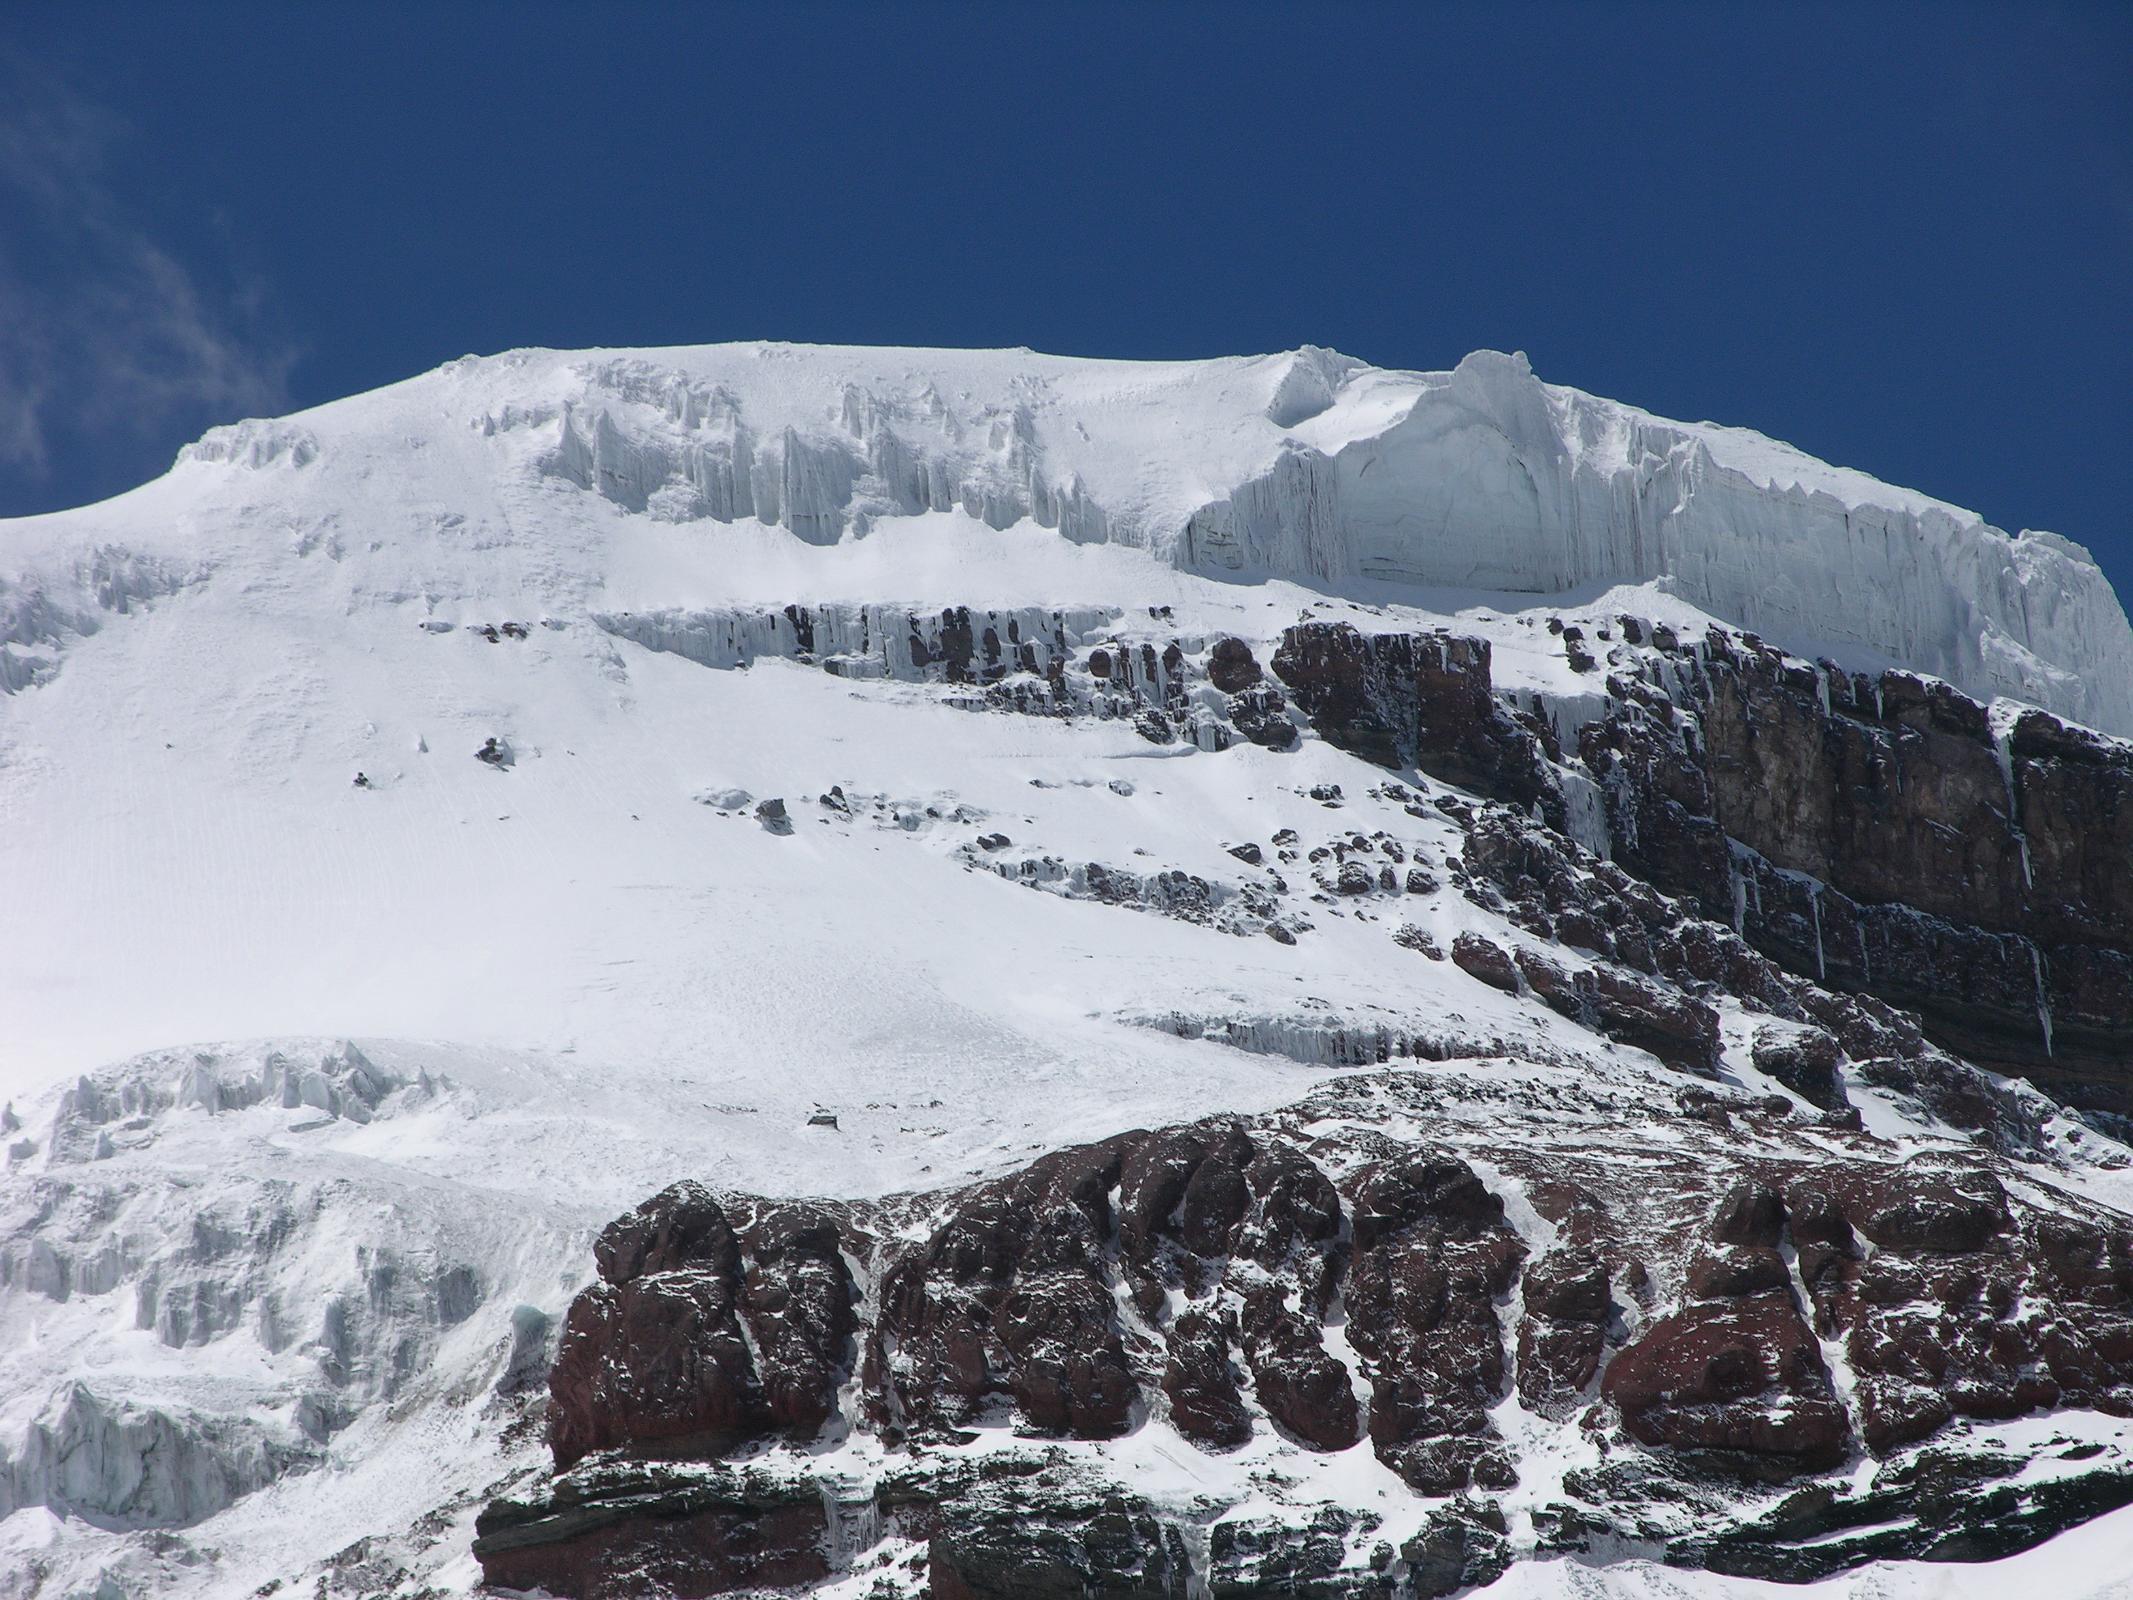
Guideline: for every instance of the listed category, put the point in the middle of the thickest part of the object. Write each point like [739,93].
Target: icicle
[2044,1007]
[2003,748]
[1814,901]
[853,1521]
[1199,1563]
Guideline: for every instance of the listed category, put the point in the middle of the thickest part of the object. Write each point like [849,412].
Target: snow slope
[570,980]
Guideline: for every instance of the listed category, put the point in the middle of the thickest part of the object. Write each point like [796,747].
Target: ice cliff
[1316,467]
[1308,466]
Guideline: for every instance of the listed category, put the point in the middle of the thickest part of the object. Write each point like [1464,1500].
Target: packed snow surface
[240,710]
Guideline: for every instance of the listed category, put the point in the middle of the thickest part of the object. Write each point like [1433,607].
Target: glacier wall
[1317,468]
[870,641]
[189,1313]
[134,1465]
[886,455]
[1493,480]
[44,614]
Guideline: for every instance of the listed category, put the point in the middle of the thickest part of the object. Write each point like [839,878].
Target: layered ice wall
[1307,465]
[1316,467]
[1497,481]
[1491,479]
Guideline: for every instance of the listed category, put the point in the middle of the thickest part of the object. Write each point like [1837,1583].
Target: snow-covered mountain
[854,776]
[1308,466]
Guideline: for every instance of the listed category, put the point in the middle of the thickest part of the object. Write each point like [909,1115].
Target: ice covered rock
[1601,885]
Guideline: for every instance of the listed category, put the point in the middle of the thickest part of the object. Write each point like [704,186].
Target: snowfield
[328,1047]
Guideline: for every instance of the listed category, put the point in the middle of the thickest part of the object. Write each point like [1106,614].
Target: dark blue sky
[1901,237]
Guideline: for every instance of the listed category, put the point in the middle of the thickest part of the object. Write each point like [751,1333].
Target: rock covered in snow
[1668,1218]
[1321,1285]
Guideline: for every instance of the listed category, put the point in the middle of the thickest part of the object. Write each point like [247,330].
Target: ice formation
[1312,466]
[1307,465]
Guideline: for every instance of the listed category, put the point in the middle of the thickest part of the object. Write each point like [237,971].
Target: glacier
[313,1092]
[1307,466]
[1316,467]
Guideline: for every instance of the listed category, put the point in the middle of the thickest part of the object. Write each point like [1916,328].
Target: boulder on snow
[1232,668]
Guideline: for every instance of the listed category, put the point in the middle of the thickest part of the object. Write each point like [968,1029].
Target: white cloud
[104,332]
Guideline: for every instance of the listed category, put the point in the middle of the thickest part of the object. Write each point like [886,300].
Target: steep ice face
[199,1294]
[38,616]
[1316,467]
[1493,480]
[1308,466]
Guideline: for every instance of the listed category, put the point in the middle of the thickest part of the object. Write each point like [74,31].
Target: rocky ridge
[1515,1295]
[1745,1334]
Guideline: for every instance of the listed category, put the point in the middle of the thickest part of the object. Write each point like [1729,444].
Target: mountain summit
[1308,466]
[893,972]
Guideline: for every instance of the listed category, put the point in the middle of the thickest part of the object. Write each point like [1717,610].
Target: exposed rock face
[1421,700]
[1569,1305]
[1081,1541]
[1897,841]
[1946,1317]
[1232,668]
[1432,1254]
[700,1335]
[1651,963]
[1007,1301]
[1737,1371]
[1314,1279]
[626,1530]
[1879,835]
